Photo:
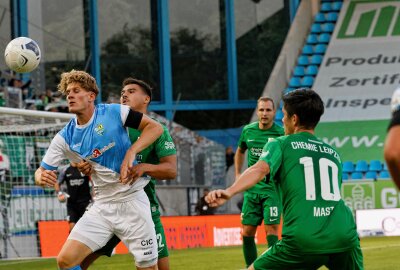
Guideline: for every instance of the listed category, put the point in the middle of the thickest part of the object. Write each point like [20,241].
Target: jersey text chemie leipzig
[103,142]
[309,174]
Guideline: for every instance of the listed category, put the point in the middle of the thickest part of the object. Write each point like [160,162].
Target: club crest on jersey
[99,129]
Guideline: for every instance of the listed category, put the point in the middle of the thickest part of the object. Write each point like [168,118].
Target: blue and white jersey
[103,142]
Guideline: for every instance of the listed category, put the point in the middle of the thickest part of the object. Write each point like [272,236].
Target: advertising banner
[378,222]
[361,66]
[381,194]
[355,140]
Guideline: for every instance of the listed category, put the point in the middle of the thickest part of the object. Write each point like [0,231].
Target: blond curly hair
[77,76]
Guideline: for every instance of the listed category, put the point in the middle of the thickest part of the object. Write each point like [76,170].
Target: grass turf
[379,253]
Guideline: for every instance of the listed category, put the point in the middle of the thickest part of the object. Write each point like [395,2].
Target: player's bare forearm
[165,170]
[249,177]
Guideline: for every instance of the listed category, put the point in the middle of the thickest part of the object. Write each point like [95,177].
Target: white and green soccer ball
[22,54]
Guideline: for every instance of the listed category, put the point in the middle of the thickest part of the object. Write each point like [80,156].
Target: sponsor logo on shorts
[148,253]
[145,243]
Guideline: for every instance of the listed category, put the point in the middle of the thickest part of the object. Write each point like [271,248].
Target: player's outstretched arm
[247,179]
[45,178]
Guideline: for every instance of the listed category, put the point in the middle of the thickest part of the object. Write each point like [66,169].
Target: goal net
[24,138]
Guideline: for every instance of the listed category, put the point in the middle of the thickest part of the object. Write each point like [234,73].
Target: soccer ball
[22,54]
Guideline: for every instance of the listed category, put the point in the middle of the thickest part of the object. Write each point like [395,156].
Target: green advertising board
[355,140]
[379,194]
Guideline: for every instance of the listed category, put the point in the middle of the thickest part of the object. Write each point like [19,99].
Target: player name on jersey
[323,211]
[315,148]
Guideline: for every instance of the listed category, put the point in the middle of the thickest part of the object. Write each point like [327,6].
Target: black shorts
[76,211]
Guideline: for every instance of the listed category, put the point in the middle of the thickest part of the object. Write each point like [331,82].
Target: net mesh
[24,138]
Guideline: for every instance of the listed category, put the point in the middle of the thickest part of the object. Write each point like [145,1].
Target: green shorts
[280,257]
[257,207]
[161,242]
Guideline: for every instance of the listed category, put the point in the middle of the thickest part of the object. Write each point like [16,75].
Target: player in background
[78,194]
[392,144]
[98,134]
[318,229]
[260,201]
[158,161]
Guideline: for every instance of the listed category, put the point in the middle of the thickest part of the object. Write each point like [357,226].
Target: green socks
[272,239]
[249,249]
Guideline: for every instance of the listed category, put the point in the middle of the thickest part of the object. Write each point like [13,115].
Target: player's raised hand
[217,197]
[84,167]
[48,178]
[126,166]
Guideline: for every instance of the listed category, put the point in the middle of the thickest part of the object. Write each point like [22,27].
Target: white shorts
[131,221]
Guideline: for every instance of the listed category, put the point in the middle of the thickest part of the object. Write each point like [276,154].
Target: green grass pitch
[379,253]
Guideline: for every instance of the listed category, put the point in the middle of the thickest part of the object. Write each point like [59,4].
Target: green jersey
[309,174]
[253,140]
[162,147]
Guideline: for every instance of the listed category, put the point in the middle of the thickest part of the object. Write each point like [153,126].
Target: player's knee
[64,261]
[249,230]
[148,265]
[272,229]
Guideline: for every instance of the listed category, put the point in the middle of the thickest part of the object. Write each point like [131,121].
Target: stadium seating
[324,38]
[385,168]
[356,176]
[316,59]
[348,167]
[279,114]
[375,165]
[308,50]
[331,17]
[312,39]
[327,27]
[326,7]
[371,175]
[299,71]
[313,51]
[311,70]
[361,166]
[295,82]
[302,60]
[320,17]
[384,175]
[307,81]
[320,49]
